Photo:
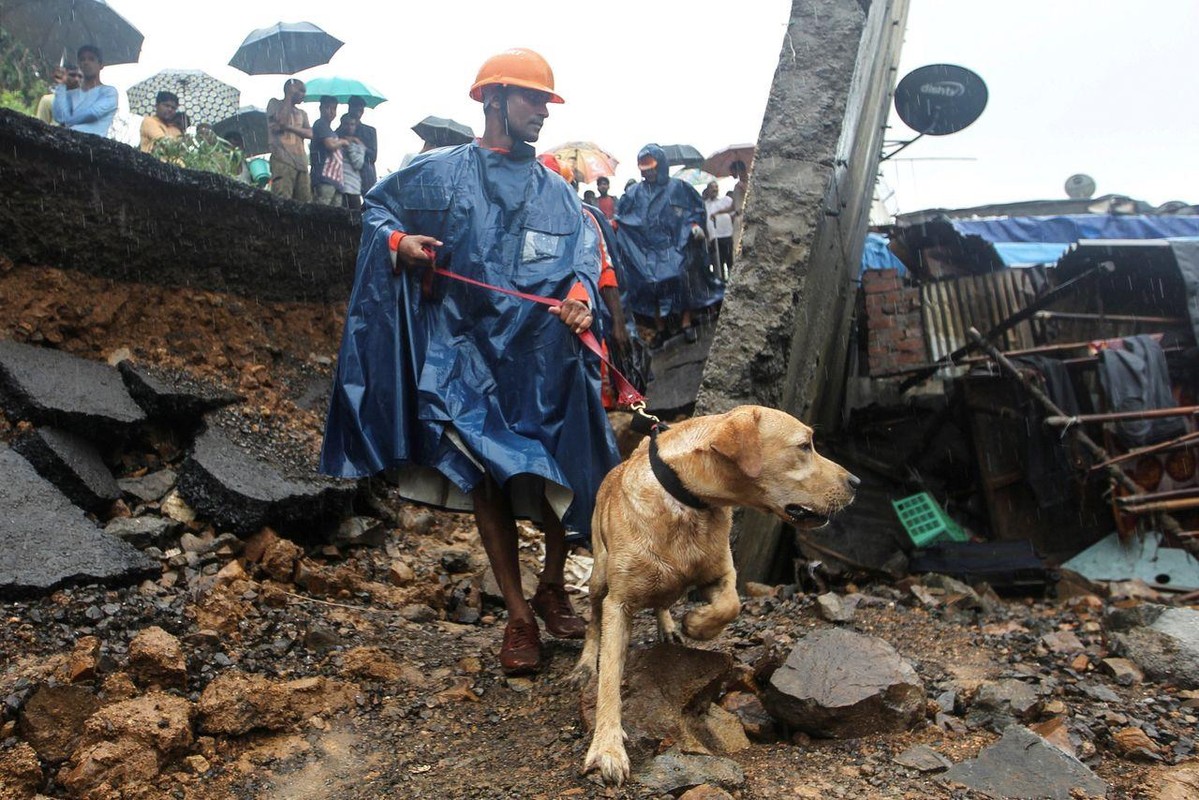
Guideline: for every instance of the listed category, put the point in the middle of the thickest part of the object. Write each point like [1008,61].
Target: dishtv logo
[943,89]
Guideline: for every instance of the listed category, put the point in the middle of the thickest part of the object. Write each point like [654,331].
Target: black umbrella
[57,28]
[285,48]
[441,132]
[250,122]
[682,155]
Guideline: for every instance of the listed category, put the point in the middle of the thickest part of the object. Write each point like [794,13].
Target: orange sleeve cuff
[393,241]
[607,279]
[579,292]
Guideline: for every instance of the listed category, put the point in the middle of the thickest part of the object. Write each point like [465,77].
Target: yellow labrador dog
[661,526]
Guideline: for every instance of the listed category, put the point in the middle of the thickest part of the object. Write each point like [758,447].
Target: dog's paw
[610,759]
[582,675]
[671,636]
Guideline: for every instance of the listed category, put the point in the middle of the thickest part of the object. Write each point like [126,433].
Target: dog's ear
[738,441]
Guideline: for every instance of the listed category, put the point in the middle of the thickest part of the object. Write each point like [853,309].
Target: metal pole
[1118,416]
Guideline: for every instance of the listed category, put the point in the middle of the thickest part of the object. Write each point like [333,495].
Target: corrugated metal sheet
[952,306]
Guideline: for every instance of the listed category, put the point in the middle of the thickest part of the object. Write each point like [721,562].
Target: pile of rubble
[74,418]
[186,618]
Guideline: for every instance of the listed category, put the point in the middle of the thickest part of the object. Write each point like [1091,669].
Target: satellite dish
[940,99]
[1080,187]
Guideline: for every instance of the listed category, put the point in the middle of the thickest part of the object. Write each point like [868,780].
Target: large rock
[53,719]
[71,463]
[49,387]
[1164,642]
[669,694]
[46,542]
[159,721]
[999,704]
[242,493]
[156,659]
[1180,782]
[20,772]
[109,769]
[840,684]
[673,770]
[1022,764]
[151,487]
[176,397]
[142,532]
[236,702]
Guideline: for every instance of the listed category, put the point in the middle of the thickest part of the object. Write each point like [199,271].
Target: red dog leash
[626,393]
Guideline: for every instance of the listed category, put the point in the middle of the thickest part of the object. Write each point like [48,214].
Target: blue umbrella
[285,48]
[343,89]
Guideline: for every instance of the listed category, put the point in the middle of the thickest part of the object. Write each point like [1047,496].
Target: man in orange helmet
[470,398]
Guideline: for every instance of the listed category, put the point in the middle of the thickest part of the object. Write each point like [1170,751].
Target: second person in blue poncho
[473,399]
[659,233]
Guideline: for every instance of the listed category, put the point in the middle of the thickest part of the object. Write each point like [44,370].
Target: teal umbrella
[343,89]
[695,176]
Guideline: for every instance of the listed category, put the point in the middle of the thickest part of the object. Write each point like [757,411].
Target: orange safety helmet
[516,67]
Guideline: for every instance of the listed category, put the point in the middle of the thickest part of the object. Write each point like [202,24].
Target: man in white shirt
[720,229]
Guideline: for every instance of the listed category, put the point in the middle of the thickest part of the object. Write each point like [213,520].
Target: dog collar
[670,479]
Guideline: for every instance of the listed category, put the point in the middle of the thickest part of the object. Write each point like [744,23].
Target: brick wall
[894,327]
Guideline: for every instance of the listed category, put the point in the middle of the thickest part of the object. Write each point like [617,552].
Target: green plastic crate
[925,520]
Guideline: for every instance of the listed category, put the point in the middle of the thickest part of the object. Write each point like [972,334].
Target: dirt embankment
[104,208]
[278,355]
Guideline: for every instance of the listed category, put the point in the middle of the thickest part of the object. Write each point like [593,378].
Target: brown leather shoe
[521,651]
[553,606]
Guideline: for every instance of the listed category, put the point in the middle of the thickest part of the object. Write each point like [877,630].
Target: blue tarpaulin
[876,254]
[1021,241]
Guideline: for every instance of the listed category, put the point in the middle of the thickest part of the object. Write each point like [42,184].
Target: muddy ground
[404,636]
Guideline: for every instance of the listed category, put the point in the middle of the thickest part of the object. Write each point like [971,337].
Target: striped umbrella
[202,97]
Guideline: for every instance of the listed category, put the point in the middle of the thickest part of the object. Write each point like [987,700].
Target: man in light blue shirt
[91,107]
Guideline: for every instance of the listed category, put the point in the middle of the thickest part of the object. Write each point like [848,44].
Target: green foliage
[201,153]
[17,102]
[22,83]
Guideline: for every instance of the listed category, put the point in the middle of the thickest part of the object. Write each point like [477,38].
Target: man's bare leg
[551,602]
[555,545]
[497,529]
[521,650]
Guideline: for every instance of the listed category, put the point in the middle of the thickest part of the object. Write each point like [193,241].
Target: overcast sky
[1104,87]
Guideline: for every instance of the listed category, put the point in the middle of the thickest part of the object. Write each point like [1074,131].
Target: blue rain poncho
[467,381]
[665,269]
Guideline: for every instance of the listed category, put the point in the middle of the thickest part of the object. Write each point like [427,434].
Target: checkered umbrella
[202,97]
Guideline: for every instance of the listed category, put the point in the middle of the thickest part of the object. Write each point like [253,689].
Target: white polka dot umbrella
[202,97]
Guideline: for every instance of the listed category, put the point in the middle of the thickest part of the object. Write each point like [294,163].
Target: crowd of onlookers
[675,246]
[317,162]
[308,162]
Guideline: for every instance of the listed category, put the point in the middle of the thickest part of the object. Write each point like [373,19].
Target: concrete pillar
[784,331]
